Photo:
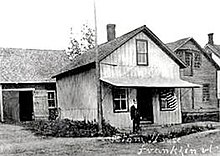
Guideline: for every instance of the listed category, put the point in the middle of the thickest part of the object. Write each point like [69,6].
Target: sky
[45,24]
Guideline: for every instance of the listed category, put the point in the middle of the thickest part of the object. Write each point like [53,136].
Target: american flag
[171,99]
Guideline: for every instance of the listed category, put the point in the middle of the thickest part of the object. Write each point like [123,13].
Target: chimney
[210,41]
[110,32]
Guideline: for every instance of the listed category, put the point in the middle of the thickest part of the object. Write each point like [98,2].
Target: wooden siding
[77,95]
[206,74]
[217,60]
[40,104]
[119,119]
[123,120]
[1,104]
[123,62]
[166,117]
[11,105]
[40,101]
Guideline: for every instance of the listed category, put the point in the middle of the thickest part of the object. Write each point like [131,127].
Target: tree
[83,44]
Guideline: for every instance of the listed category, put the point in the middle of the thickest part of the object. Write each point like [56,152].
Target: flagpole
[98,84]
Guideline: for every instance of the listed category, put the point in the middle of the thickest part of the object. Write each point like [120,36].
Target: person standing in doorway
[135,116]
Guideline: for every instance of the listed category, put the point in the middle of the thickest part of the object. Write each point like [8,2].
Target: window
[120,100]
[188,60]
[180,54]
[51,98]
[142,52]
[205,92]
[168,100]
[197,60]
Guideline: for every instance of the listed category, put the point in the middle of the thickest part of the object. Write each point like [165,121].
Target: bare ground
[14,140]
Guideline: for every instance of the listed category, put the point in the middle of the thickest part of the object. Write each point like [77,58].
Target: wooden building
[27,91]
[197,103]
[134,68]
[213,51]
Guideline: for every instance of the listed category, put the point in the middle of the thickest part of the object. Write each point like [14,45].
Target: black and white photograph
[109,77]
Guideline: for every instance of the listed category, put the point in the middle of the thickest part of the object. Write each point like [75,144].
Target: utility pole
[98,83]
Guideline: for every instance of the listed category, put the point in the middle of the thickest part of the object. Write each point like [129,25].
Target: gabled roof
[180,43]
[107,48]
[177,44]
[215,48]
[30,65]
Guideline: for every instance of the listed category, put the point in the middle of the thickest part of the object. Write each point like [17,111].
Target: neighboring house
[213,50]
[27,91]
[136,67]
[201,69]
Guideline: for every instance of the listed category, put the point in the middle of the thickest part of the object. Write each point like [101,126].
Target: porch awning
[149,82]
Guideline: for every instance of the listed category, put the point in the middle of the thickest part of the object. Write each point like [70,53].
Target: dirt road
[14,140]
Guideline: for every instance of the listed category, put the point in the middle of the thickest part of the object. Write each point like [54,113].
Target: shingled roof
[107,48]
[30,65]
[177,44]
[215,48]
[180,43]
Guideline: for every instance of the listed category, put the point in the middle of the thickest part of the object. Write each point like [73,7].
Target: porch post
[1,105]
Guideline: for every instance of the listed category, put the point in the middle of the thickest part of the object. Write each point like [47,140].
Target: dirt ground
[14,140]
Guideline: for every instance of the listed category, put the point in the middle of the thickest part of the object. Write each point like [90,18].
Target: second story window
[142,52]
[205,92]
[189,61]
[197,60]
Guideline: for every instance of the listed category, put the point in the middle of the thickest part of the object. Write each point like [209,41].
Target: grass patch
[69,128]
[156,136]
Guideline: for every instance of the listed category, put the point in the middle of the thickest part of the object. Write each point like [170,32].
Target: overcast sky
[45,24]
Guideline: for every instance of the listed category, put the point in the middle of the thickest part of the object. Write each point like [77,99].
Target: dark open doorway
[26,105]
[144,104]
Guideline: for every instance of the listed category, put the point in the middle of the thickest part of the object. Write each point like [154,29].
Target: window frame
[188,71]
[206,88]
[54,99]
[197,63]
[142,53]
[120,99]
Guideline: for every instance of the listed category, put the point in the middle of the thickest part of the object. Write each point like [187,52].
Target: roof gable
[214,48]
[30,65]
[107,48]
[182,42]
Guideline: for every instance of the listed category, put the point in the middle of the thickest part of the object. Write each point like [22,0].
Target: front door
[144,104]
[26,105]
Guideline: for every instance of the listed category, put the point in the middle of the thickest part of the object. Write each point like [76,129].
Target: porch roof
[158,82]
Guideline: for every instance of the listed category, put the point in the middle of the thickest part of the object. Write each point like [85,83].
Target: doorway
[26,105]
[144,104]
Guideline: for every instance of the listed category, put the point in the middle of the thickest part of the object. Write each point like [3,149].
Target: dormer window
[142,52]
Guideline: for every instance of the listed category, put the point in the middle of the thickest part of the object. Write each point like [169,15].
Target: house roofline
[23,82]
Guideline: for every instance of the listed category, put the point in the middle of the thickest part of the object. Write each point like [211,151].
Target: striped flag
[170,98]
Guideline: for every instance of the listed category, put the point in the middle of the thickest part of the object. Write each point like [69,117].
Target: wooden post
[1,105]
[193,105]
[98,83]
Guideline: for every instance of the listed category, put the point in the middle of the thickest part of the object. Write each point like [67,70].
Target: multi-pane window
[120,99]
[205,92]
[188,60]
[51,99]
[180,54]
[197,60]
[142,52]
